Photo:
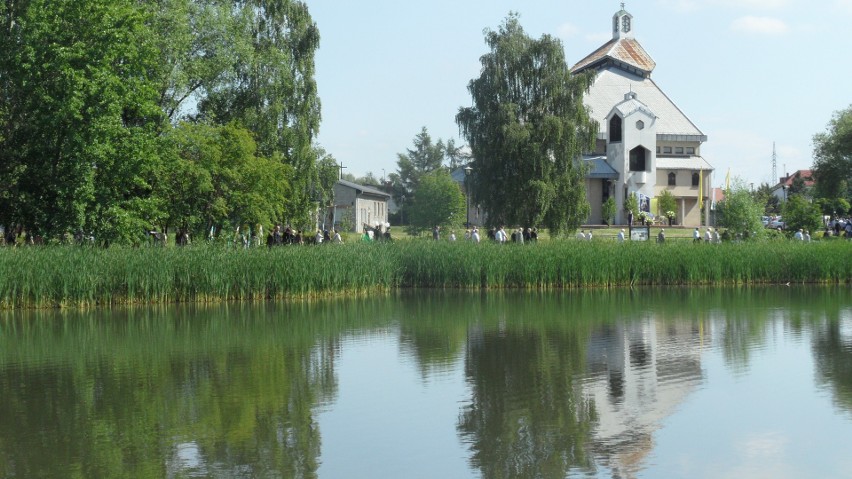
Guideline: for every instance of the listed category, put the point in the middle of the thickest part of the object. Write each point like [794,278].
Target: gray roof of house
[600,169]
[363,189]
[683,163]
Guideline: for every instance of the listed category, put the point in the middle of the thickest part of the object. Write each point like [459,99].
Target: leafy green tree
[78,115]
[425,158]
[608,210]
[456,157]
[631,204]
[764,197]
[832,168]
[666,202]
[196,51]
[526,130]
[739,212]
[215,178]
[799,187]
[799,213]
[439,202]
[328,173]
[270,90]
[836,207]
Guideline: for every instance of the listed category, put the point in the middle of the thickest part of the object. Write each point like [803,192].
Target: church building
[646,144]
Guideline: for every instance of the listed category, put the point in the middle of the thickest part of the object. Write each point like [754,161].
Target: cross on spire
[622,5]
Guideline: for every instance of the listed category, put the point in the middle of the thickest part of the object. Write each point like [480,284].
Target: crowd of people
[497,235]
[840,227]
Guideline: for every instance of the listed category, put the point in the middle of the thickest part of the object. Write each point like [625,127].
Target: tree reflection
[526,417]
[833,355]
[226,391]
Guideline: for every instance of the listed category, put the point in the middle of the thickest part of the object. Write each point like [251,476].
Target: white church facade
[646,144]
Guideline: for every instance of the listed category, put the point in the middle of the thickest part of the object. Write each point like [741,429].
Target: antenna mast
[774,163]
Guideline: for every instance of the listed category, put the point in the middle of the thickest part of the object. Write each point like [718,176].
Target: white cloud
[762,456]
[760,25]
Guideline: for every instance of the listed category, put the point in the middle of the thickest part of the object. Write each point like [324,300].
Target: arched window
[672,179]
[637,159]
[615,129]
[695,179]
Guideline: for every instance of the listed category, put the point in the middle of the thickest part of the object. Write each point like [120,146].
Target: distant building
[358,206]
[782,189]
[646,144]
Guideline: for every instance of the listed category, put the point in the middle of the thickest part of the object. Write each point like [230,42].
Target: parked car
[777,223]
[765,220]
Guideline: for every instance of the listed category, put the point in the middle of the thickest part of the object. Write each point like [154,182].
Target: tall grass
[70,276]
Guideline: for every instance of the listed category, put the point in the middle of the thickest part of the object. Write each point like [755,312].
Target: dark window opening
[637,159]
[615,129]
[672,178]
[695,179]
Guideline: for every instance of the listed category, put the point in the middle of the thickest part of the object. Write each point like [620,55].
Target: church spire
[622,24]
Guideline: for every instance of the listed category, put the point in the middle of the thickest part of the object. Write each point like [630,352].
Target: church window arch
[615,129]
[637,159]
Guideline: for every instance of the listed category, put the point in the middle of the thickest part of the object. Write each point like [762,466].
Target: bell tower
[622,24]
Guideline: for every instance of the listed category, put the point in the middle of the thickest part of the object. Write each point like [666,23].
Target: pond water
[699,383]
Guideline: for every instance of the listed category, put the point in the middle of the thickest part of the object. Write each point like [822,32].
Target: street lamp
[467,170]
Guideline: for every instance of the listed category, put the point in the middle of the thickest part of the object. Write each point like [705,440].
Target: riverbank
[71,276]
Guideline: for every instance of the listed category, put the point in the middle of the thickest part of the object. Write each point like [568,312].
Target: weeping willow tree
[526,129]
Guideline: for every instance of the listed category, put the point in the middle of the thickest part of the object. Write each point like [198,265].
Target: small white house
[358,206]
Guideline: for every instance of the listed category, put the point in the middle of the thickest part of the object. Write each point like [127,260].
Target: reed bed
[70,276]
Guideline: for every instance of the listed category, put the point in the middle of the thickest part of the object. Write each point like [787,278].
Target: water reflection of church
[638,373]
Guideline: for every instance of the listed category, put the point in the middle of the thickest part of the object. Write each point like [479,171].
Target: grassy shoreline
[61,276]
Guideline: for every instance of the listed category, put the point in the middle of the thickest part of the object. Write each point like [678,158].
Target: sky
[748,73]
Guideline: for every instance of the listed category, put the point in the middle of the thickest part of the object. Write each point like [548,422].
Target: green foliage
[631,204]
[799,213]
[79,112]
[608,210]
[270,90]
[526,129]
[213,177]
[763,196]
[835,207]
[86,88]
[425,158]
[439,202]
[666,202]
[832,168]
[67,276]
[739,212]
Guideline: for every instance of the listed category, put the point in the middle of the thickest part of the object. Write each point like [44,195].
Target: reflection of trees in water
[433,330]
[526,417]
[833,356]
[228,391]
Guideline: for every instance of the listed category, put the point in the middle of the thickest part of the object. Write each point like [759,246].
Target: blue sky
[746,72]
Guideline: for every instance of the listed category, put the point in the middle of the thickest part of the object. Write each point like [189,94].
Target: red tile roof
[625,50]
[807,175]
